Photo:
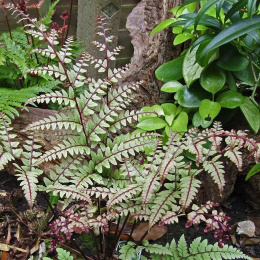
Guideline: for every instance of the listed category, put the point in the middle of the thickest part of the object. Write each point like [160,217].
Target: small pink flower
[64,15]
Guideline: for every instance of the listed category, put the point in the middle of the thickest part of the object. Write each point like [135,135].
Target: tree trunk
[149,51]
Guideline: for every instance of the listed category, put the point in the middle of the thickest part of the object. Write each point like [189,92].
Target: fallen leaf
[233,239]
[36,246]
[18,233]
[5,247]
[246,228]
[249,241]
[154,233]
[3,193]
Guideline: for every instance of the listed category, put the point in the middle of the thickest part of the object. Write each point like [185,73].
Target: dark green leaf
[251,113]
[235,8]
[253,171]
[211,56]
[191,97]
[171,70]
[230,99]
[213,79]
[230,59]
[232,32]
[201,39]
[203,10]
[231,81]
[219,7]
[251,8]
[246,75]
[187,2]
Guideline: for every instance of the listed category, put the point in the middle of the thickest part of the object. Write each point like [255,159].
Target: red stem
[69,22]
[6,18]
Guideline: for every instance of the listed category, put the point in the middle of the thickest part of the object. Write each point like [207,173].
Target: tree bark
[149,51]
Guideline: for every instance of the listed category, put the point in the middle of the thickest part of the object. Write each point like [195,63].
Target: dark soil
[235,207]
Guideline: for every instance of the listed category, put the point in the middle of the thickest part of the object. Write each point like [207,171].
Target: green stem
[256,79]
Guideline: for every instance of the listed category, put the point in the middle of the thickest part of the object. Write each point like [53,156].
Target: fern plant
[16,84]
[62,255]
[198,249]
[115,177]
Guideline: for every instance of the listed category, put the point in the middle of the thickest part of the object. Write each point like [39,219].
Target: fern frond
[202,250]
[72,146]
[29,179]
[189,187]
[216,169]
[60,121]
[101,192]
[157,249]
[151,185]
[68,192]
[197,214]
[235,156]
[170,217]
[47,19]
[8,147]
[164,201]
[123,146]
[27,174]
[127,252]
[57,96]
[124,194]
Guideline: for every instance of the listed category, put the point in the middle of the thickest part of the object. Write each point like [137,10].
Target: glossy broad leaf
[232,32]
[251,113]
[246,75]
[171,70]
[169,109]
[183,37]
[180,124]
[151,124]
[197,121]
[191,69]
[213,79]
[211,56]
[208,109]
[230,99]
[235,8]
[203,10]
[191,97]
[231,59]
[171,86]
